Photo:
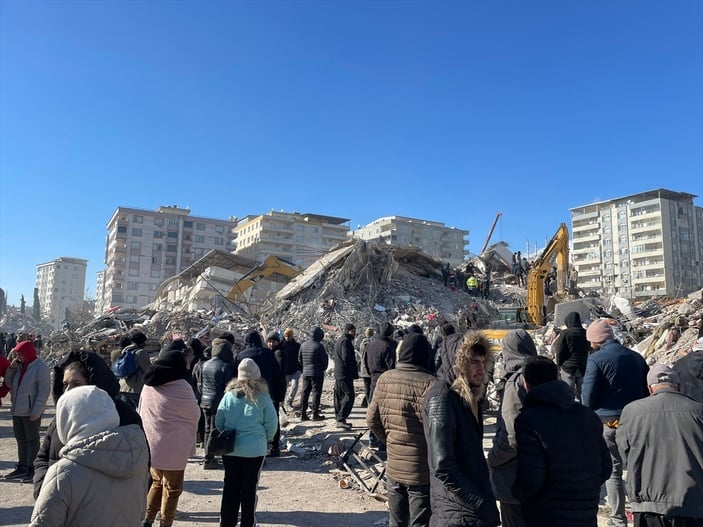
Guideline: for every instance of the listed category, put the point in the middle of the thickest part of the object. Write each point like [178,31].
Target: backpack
[126,364]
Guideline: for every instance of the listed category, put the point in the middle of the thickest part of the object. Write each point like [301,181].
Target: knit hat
[369,332]
[138,337]
[274,336]
[83,412]
[248,370]
[349,326]
[698,345]
[599,331]
[170,366]
[661,373]
[220,345]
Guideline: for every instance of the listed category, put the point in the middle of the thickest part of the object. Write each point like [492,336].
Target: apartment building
[146,247]
[61,289]
[297,238]
[446,244]
[643,245]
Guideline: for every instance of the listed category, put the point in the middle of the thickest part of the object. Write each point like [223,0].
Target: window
[172,247]
[156,260]
[199,226]
[136,245]
[159,222]
[157,247]
[133,271]
[300,228]
[158,234]
[199,238]
[131,299]
[138,219]
[134,258]
[173,222]
[155,273]
[122,229]
[172,234]
[219,241]
[132,285]
[219,229]
[188,224]
[136,231]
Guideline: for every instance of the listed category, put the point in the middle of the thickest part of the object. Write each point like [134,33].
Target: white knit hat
[248,370]
[84,411]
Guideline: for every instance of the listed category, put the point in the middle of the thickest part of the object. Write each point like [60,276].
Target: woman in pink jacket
[170,414]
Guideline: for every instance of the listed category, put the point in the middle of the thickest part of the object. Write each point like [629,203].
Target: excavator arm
[556,251]
[270,266]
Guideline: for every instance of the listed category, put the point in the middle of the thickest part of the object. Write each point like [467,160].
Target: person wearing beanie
[278,386]
[660,438]
[345,372]
[363,370]
[380,357]
[615,376]
[395,418]
[571,351]
[131,387]
[30,382]
[170,414]
[216,373]
[78,368]
[291,348]
[690,371]
[246,408]
[314,360]
[102,476]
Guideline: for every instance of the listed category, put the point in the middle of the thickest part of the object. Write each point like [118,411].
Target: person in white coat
[102,476]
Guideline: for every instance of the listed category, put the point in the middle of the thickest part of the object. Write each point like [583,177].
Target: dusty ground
[293,491]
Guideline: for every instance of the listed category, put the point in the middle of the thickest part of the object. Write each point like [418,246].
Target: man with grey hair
[661,441]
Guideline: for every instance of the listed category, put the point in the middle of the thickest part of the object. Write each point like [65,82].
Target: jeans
[292,382]
[314,385]
[574,380]
[409,504]
[26,434]
[343,398]
[241,478]
[614,486]
[166,488]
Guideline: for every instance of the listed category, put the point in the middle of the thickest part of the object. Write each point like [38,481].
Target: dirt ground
[293,491]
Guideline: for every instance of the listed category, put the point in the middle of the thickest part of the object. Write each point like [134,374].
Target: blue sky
[442,110]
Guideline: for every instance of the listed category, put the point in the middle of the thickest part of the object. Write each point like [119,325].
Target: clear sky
[442,110]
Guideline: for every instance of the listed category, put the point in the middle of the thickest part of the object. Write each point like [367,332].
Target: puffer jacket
[291,349]
[502,458]
[216,373]
[460,489]
[395,413]
[313,356]
[264,359]
[91,485]
[571,346]
[562,459]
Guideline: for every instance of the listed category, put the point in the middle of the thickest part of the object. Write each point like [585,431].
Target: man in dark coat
[571,351]
[558,479]
[278,388]
[690,371]
[291,347]
[380,357]
[216,373]
[314,359]
[395,417]
[345,372]
[460,490]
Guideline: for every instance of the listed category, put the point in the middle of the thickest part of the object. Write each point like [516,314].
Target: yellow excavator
[555,254]
[270,265]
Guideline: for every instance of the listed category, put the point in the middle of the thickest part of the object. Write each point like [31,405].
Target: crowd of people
[123,432]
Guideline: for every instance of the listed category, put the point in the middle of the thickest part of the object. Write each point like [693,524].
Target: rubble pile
[14,321]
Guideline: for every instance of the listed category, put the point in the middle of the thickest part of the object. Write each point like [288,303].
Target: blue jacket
[615,376]
[255,422]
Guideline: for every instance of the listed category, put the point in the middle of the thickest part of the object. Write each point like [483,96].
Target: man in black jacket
[571,351]
[460,490]
[291,348]
[562,457]
[278,387]
[216,373]
[314,359]
[345,371]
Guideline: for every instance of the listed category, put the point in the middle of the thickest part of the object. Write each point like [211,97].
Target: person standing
[170,413]
[571,352]
[518,346]
[131,387]
[215,374]
[690,371]
[562,459]
[395,418]
[30,384]
[248,409]
[460,490]
[278,384]
[345,372]
[314,359]
[615,376]
[380,357]
[101,478]
[365,375]
[291,348]
[661,441]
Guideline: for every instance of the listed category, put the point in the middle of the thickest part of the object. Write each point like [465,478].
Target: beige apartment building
[294,237]
[642,245]
[446,244]
[146,247]
[61,289]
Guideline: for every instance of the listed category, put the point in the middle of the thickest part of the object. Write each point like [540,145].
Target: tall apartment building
[297,238]
[646,244]
[145,247]
[446,244]
[61,287]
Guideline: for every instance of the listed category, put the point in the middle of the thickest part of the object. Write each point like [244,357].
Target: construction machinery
[555,254]
[270,265]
